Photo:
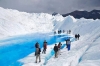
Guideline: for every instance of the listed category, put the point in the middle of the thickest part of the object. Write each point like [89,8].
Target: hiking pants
[56,54]
[68,47]
[44,51]
[38,56]
[58,50]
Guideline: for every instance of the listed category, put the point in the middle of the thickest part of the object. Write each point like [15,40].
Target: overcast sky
[50,6]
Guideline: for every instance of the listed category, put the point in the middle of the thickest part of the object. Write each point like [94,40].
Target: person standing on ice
[68,43]
[38,50]
[69,31]
[63,31]
[58,31]
[59,47]
[44,47]
[78,36]
[54,32]
[56,50]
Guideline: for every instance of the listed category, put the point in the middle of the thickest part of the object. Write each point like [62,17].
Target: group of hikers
[59,31]
[56,49]
[77,36]
[38,50]
[62,31]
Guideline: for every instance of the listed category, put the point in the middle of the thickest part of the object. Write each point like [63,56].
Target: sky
[50,6]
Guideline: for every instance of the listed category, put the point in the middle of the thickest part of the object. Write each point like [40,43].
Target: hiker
[59,47]
[38,50]
[36,46]
[68,43]
[54,32]
[78,36]
[56,50]
[60,31]
[44,47]
[69,31]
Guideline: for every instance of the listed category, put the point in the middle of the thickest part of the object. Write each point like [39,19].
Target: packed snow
[19,31]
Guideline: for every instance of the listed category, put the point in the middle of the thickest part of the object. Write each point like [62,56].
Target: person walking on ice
[69,31]
[56,50]
[68,44]
[44,47]
[59,47]
[38,50]
[78,36]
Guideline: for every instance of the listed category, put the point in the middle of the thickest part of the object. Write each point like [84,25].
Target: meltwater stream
[14,48]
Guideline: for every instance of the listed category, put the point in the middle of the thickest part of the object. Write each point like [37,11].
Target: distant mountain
[94,14]
[54,13]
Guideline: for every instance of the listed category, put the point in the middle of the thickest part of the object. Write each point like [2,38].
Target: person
[56,50]
[58,32]
[68,42]
[78,36]
[69,31]
[59,47]
[54,32]
[38,50]
[44,47]
[36,46]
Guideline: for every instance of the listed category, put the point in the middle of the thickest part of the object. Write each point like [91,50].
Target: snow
[19,31]
[13,22]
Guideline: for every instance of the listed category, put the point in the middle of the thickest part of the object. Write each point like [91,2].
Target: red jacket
[45,46]
[58,45]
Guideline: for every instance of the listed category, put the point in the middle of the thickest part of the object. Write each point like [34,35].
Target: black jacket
[55,48]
